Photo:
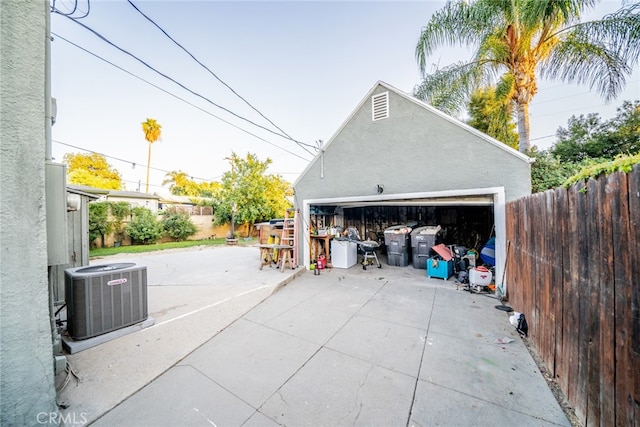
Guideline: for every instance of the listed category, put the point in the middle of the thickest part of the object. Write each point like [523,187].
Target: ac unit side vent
[380,106]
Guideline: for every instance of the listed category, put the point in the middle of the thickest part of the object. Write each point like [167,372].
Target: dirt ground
[553,385]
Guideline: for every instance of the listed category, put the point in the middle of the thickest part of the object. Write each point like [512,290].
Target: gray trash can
[422,239]
[396,239]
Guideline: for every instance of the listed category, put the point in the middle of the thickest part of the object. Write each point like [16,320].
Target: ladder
[290,234]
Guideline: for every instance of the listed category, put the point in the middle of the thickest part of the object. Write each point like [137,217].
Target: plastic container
[322,262]
[422,239]
[439,268]
[480,276]
[397,239]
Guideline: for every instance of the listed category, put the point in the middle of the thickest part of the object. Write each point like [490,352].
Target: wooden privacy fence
[573,269]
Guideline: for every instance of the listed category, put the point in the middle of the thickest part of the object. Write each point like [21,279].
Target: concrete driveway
[381,347]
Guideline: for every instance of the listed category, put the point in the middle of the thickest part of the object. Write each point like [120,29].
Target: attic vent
[380,106]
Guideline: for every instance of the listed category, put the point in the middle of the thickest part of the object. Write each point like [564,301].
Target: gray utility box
[422,239]
[396,239]
[103,298]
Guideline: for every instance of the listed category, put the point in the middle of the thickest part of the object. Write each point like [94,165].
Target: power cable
[75,7]
[177,97]
[103,38]
[122,160]
[212,73]
[134,164]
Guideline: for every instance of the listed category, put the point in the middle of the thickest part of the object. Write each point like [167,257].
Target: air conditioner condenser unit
[103,298]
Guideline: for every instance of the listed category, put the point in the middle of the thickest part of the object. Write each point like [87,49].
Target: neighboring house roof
[112,193]
[76,190]
[182,200]
[132,195]
[430,108]
[88,190]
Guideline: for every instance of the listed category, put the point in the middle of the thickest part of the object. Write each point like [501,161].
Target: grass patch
[137,249]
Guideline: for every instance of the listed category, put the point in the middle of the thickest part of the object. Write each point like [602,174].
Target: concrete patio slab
[251,360]
[386,344]
[375,347]
[334,389]
[193,399]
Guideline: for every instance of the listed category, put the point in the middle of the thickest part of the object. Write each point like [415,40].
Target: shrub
[144,228]
[178,226]
[99,224]
[619,164]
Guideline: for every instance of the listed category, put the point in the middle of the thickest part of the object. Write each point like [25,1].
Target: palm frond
[619,31]
[576,59]
[566,12]
[448,89]
[458,23]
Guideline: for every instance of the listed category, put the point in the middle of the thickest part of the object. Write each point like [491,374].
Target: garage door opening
[468,226]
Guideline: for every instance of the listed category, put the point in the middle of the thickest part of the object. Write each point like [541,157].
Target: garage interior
[465,222]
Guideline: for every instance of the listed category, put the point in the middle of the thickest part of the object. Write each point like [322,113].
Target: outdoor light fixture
[380,189]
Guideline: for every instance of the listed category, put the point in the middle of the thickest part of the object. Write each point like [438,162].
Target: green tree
[119,211]
[144,227]
[152,131]
[256,195]
[99,224]
[573,140]
[92,170]
[492,116]
[589,137]
[548,172]
[178,226]
[181,185]
[516,40]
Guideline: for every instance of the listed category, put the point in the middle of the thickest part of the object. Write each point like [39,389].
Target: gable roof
[425,106]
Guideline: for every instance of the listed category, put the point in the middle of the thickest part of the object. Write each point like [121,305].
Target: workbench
[318,243]
[283,255]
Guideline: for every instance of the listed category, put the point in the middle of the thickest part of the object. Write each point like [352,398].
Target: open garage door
[468,217]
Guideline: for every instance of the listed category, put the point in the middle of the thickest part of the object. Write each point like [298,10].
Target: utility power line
[177,97]
[214,74]
[131,162]
[103,38]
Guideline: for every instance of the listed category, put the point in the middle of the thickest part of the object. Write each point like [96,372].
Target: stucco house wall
[27,389]
[416,149]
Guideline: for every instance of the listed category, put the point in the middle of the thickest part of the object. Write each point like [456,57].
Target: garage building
[397,160]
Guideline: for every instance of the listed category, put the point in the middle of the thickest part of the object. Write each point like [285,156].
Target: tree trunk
[523,127]
[148,167]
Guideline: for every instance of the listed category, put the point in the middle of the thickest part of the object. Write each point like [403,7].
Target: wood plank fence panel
[582,295]
[565,356]
[555,246]
[572,312]
[623,289]
[550,257]
[592,287]
[634,279]
[533,268]
[607,307]
[572,259]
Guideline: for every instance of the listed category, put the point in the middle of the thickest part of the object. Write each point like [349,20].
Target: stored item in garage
[422,239]
[396,239]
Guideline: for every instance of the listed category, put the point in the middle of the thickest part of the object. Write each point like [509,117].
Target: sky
[303,65]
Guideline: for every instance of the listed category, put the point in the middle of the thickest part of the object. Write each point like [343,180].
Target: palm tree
[514,40]
[152,132]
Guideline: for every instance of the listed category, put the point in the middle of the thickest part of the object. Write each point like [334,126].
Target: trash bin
[422,239]
[396,239]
